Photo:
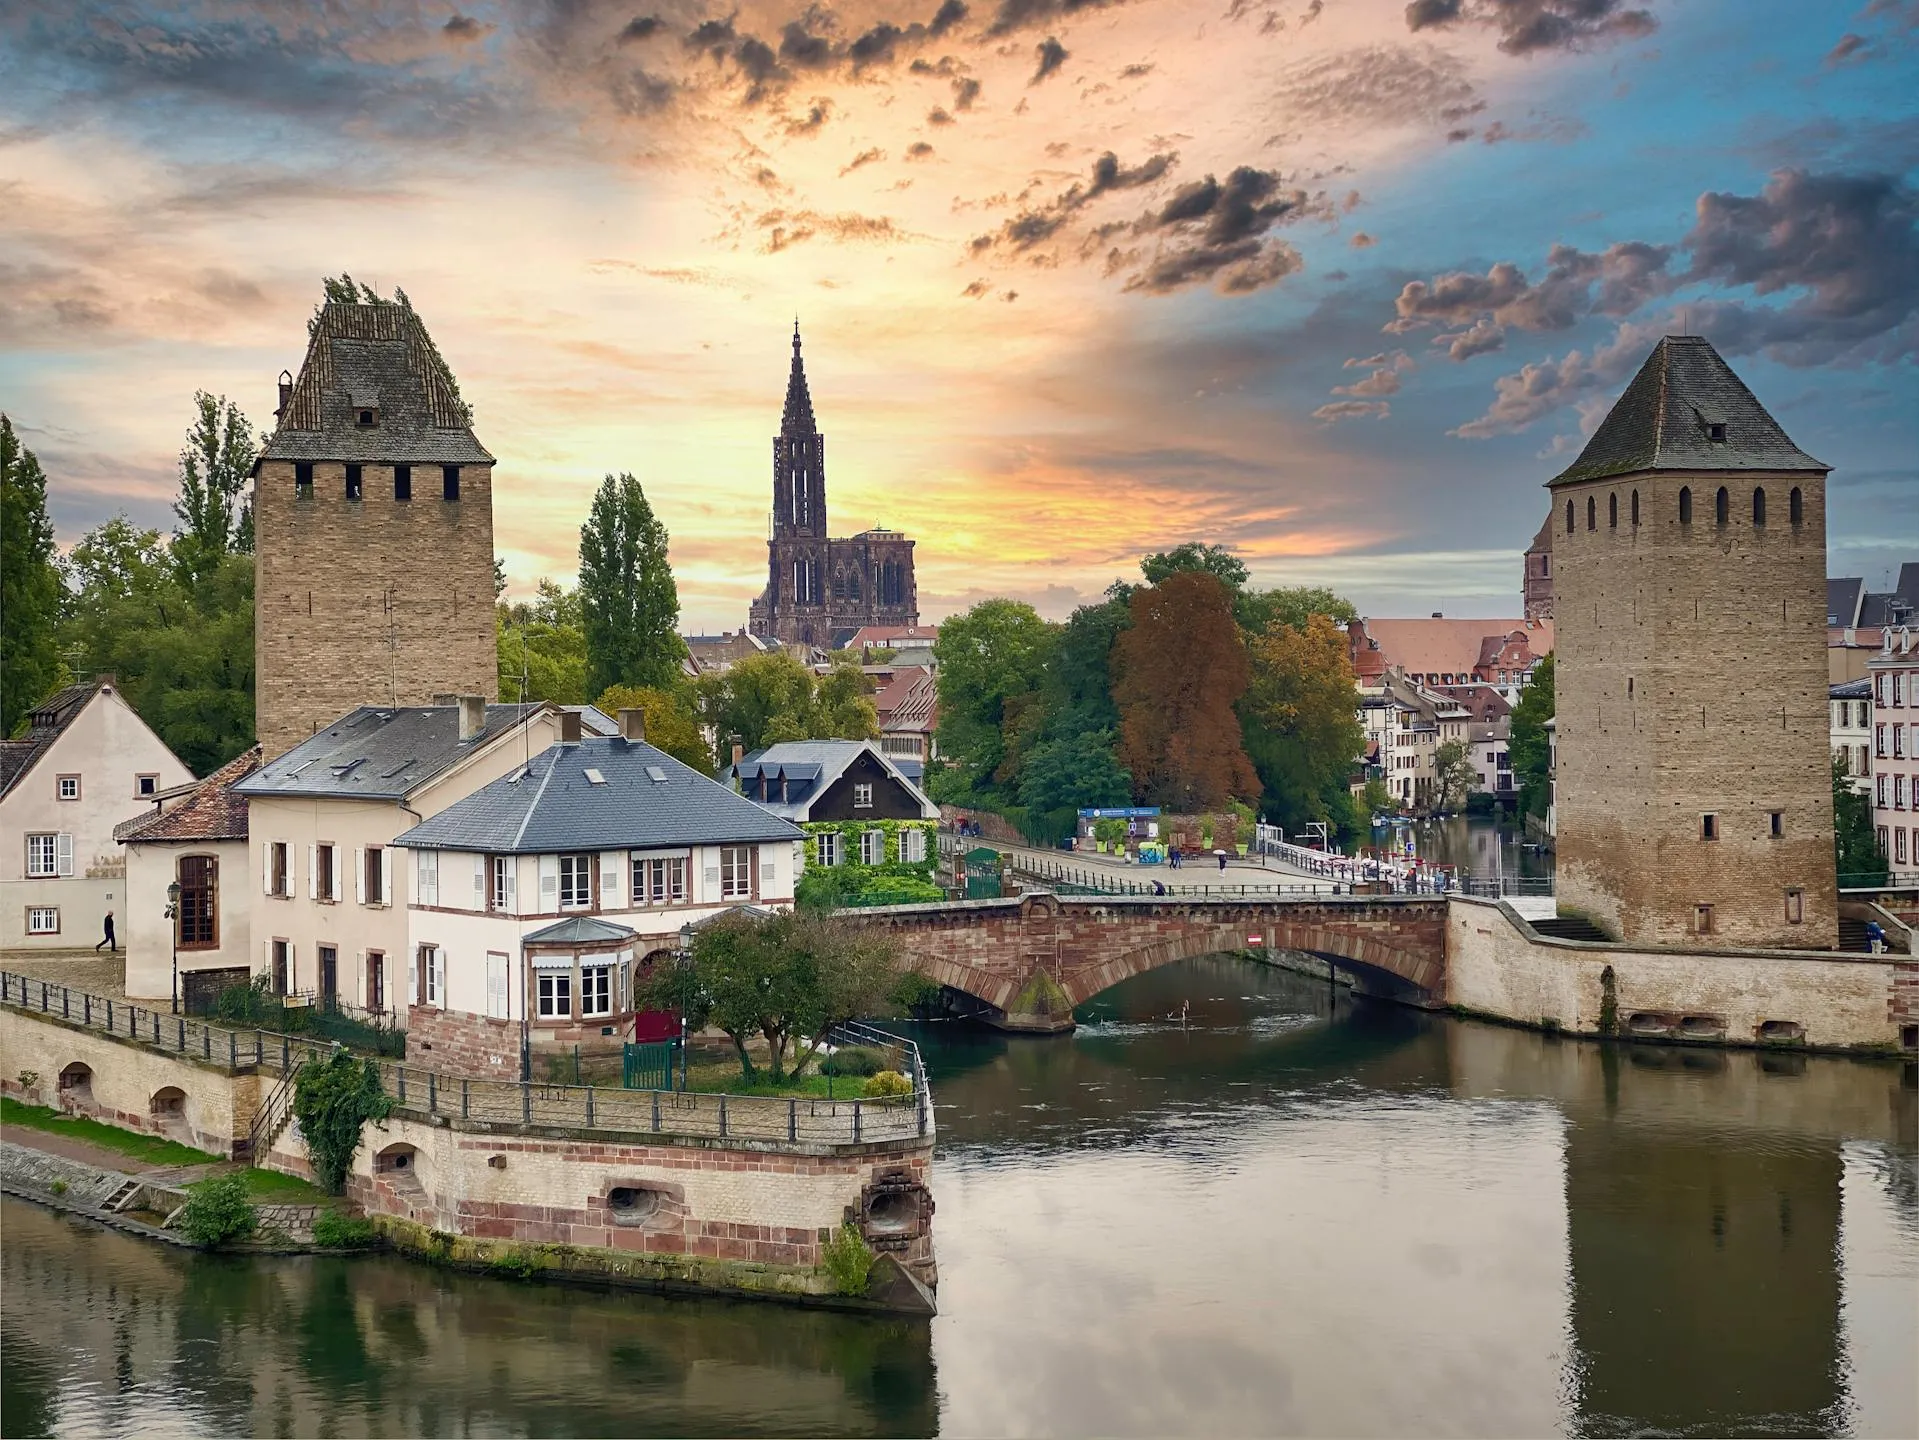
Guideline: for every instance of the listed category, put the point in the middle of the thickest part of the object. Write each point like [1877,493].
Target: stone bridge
[1030,960]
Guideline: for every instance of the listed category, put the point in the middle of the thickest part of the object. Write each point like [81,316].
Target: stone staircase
[1571,927]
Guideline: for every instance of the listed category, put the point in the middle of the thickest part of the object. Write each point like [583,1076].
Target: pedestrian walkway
[1196,874]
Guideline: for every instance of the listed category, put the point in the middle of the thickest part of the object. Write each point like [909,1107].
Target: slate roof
[1663,421]
[1842,601]
[213,810]
[46,722]
[581,930]
[1897,606]
[378,356]
[817,763]
[1852,690]
[553,805]
[378,753]
[796,420]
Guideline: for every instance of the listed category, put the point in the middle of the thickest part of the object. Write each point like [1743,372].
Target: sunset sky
[1337,283]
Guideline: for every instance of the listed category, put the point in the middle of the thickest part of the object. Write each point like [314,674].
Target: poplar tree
[629,603]
[30,590]
[216,518]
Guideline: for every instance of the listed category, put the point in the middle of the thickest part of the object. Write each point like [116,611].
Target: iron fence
[428,1093]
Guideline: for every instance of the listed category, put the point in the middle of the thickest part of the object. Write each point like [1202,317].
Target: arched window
[197,915]
[1685,504]
[1592,513]
[1635,507]
[1722,506]
[1797,506]
[1612,511]
[1569,517]
[1759,505]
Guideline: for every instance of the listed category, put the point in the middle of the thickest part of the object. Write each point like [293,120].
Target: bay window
[596,990]
[555,995]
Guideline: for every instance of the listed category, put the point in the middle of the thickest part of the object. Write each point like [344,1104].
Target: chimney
[286,394]
[569,727]
[739,750]
[633,723]
[446,699]
[472,715]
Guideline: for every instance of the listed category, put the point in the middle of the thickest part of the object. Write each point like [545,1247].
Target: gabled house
[86,763]
[330,903]
[539,898]
[196,838]
[855,804]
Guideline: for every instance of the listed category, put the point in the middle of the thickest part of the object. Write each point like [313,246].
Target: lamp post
[173,925]
[683,959]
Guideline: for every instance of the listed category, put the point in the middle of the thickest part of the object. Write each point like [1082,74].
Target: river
[1291,1215]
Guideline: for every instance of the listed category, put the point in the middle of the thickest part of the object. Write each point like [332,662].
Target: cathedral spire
[797,420]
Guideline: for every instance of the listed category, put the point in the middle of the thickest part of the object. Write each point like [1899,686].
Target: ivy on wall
[894,881]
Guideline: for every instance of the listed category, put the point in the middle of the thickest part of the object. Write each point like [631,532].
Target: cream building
[330,898]
[86,763]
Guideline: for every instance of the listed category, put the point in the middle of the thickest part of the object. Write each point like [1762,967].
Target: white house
[537,898]
[1850,703]
[86,763]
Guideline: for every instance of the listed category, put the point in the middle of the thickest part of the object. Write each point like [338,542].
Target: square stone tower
[1689,559]
[373,532]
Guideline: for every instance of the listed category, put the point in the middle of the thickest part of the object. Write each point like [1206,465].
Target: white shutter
[611,864]
[479,882]
[496,986]
[549,882]
[427,891]
[359,876]
[63,855]
[512,864]
[266,867]
[313,872]
[386,875]
[413,975]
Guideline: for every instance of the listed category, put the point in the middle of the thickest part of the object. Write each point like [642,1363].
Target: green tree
[1856,849]
[1291,605]
[991,662]
[218,1210]
[30,589]
[1301,722]
[1079,679]
[765,699]
[628,600]
[1452,775]
[1531,754]
[345,290]
[216,517]
[333,1099]
[1074,772]
[786,978]
[1214,560]
[542,647]
[670,723]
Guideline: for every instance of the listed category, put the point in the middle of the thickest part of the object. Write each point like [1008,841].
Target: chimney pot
[472,715]
[633,723]
[569,727]
[286,393]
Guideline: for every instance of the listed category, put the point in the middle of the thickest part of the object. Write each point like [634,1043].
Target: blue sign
[1120,812]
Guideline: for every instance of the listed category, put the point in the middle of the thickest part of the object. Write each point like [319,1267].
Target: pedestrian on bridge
[1222,858]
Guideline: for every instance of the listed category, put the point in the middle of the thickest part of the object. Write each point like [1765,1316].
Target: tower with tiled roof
[1694,790]
[373,523]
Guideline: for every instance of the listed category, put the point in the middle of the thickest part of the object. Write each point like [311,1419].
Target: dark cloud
[1215,231]
[786,228]
[918,150]
[1528,26]
[1028,14]
[1377,85]
[938,116]
[950,13]
[640,27]
[965,91]
[715,37]
[1339,410]
[802,49]
[1134,72]
[865,157]
[1849,51]
[975,290]
[1108,175]
[1051,55]
[1615,281]
[1482,338]
[464,28]
[1362,241]
[812,120]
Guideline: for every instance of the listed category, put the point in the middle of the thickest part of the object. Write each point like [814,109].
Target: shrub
[58,1187]
[848,1259]
[218,1210]
[886,1084]
[343,1232]
[854,1060]
[333,1099]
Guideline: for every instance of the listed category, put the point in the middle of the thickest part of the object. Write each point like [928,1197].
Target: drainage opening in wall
[76,1081]
[633,1204]
[1781,1030]
[1909,1037]
[1703,1027]
[892,1212]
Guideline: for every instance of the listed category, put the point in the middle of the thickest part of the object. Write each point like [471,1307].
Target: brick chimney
[286,394]
[569,727]
[633,723]
[739,750]
[472,715]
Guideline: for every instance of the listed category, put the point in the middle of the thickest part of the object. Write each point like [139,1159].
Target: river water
[1291,1215]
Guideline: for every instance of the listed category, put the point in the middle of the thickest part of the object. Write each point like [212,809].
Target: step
[1571,927]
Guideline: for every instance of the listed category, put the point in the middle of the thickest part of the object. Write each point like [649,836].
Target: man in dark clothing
[108,943]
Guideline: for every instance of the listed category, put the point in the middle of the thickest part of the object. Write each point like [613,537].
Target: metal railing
[905,1058]
[427,1093]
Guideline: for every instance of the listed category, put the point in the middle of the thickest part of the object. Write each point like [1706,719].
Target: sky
[1338,284]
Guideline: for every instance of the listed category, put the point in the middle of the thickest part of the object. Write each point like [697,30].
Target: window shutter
[266,867]
[359,876]
[479,882]
[313,872]
[496,986]
[386,875]
[63,854]
[549,882]
[413,976]
[512,864]
[611,864]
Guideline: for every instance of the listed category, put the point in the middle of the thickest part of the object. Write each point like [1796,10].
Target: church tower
[373,532]
[1694,784]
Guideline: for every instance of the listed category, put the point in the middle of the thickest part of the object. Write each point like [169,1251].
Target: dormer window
[368,418]
[1716,432]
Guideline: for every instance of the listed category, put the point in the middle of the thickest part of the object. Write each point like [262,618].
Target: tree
[1178,672]
[1079,688]
[670,725]
[1531,754]
[1192,557]
[216,518]
[1302,724]
[542,647]
[1452,775]
[1074,772]
[30,589]
[332,1100]
[765,699]
[1292,605]
[990,663]
[787,978]
[628,601]
[343,289]
[1856,849]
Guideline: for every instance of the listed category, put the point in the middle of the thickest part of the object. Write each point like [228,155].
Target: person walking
[108,942]
[1222,858]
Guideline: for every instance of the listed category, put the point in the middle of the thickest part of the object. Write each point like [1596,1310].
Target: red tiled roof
[211,812]
[1448,647]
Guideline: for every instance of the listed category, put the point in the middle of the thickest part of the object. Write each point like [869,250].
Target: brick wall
[458,1042]
[374,601]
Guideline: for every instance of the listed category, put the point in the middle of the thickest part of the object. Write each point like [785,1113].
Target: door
[329,975]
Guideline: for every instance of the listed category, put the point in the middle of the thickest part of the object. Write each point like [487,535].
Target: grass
[727,1079]
[277,1189]
[148,1149]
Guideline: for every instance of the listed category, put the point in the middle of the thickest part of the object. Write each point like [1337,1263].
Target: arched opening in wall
[1592,513]
[1612,511]
[168,1107]
[893,1212]
[1569,517]
[1722,506]
[1635,507]
[1685,504]
[1759,505]
[76,1084]
[1796,506]
[399,1166]
[634,1204]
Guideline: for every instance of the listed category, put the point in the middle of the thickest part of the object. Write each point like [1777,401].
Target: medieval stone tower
[373,532]
[819,591]
[1694,782]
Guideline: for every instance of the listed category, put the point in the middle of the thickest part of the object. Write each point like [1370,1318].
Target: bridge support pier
[1032,1024]
[1041,1007]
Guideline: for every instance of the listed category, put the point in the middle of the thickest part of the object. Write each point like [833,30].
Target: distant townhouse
[1894,673]
[189,900]
[330,914]
[1857,620]
[1850,703]
[86,763]
[716,654]
[1405,725]
[908,710]
[856,806]
[1441,654]
[540,899]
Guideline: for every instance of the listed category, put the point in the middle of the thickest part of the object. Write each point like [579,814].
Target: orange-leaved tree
[1301,718]
[1177,674]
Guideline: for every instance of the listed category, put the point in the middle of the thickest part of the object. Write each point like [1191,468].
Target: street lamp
[173,924]
[684,958]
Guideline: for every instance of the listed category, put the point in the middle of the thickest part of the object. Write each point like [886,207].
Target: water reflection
[1472,844]
[1292,1214]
